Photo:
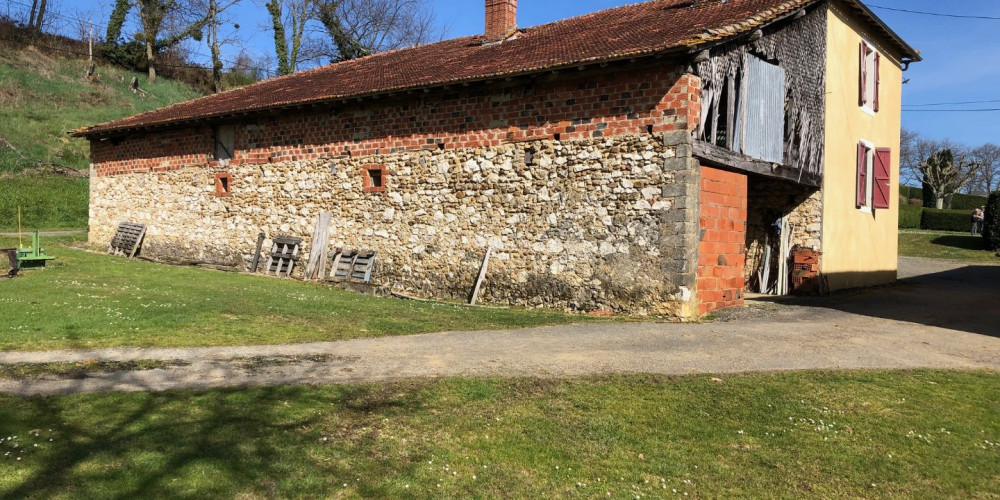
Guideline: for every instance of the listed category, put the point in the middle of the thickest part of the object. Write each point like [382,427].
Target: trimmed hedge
[909,216]
[911,192]
[946,220]
[991,224]
[958,201]
[967,202]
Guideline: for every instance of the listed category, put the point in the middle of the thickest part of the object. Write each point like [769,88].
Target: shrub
[967,202]
[991,226]
[909,216]
[946,220]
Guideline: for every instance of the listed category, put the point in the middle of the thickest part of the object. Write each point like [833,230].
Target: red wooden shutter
[883,176]
[863,78]
[862,175]
[878,78]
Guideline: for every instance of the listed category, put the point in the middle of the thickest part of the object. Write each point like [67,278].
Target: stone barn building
[637,159]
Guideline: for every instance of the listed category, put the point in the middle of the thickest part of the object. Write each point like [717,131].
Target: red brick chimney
[501,18]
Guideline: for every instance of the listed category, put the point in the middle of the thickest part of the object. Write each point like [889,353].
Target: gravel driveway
[940,315]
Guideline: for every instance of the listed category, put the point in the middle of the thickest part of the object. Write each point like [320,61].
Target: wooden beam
[482,275]
[718,157]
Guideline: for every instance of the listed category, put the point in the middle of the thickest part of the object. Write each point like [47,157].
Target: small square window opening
[375,177]
[223,184]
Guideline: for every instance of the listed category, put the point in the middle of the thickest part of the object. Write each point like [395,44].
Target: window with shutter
[878,77]
[862,185]
[868,80]
[883,175]
[862,75]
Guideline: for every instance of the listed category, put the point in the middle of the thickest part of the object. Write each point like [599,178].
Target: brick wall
[588,105]
[721,253]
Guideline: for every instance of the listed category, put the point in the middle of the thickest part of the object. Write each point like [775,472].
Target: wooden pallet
[354,266]
[127,239]
[283,256]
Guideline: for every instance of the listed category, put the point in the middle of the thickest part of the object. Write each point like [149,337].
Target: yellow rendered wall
[859,249]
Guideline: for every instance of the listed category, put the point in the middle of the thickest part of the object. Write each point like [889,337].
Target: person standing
[977,221]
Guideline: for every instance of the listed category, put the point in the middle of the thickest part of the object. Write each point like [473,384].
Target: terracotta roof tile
[622,32]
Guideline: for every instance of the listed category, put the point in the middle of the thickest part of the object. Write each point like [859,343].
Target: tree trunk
[41,16]
[213,42]
[151,59]
[280,47]
[939,203]
[34,10]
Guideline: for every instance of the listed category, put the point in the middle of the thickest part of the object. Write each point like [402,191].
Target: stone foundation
[591,224]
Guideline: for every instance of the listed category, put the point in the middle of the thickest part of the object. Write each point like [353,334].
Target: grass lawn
[42,97]
[87,300]
[920,434]
[944,245]
[46,202]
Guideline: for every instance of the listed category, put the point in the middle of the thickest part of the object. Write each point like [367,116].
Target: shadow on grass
[962,242]
[200,444]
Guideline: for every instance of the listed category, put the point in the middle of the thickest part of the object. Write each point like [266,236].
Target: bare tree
[310,31]
[36,18]
[31,16]
[155,15]
[988,157]
[946,171]
[910,157]
[214,12]
[360,27]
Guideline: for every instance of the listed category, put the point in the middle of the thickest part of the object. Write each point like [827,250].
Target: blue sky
[961,56]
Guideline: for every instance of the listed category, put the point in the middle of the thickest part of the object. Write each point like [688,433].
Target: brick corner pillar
[722,249]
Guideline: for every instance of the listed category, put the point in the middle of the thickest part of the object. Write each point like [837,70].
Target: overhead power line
[950,103]
[938,14]
[951,110]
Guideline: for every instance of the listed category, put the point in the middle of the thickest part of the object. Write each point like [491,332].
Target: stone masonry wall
[576,224]
[583,185]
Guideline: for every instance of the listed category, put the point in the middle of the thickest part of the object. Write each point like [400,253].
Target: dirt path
[941,315]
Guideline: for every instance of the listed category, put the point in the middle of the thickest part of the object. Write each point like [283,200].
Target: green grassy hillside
[42,97]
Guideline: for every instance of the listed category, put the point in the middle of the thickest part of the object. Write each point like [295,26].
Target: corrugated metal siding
[765,111]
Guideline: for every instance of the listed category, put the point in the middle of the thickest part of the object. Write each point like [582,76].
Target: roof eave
[95,131]
[908,53]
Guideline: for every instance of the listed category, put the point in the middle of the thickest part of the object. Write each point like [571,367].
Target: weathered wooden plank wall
[799,47]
